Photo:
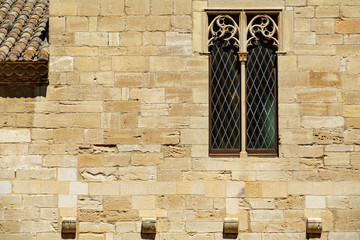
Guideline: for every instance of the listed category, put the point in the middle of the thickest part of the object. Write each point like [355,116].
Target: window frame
[242,22]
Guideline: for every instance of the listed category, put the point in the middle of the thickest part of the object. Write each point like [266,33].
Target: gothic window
[243,83]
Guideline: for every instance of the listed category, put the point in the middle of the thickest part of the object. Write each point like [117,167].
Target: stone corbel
[314,225]
[231,226]
[242,57]
[148,226]
[68,226]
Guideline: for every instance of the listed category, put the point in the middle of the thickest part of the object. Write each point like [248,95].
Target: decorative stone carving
[262,25]
[224,27]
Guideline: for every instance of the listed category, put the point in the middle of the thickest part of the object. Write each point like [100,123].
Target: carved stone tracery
[225,27]
[262,25]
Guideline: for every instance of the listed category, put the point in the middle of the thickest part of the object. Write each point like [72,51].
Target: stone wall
[122,133]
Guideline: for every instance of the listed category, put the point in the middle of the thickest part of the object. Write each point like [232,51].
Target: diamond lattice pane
[225,97]
[260,97]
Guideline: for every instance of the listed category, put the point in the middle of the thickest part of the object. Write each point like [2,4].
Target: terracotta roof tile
[23,30]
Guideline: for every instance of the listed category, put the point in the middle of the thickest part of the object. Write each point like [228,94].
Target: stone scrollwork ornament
[262,25]
[224,27]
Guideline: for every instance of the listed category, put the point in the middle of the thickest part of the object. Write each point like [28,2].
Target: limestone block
[352,39]
[190,188]
[297,136]
[322,122]
[158,23]
[137,7]
[204,227]
[91,39]
[57,24]
[327,11]
[315,49]
[302,24]
[111,188]
[351,82]
[247,3]
[65,7]
[5,187]
[323,26]
[348,26]
[153,95]
[77,24]
[91,236]
[112,7]
[135,23]
[253,189]
[274,189]
[304,12]
[352,65]
[305,37]
[161,7]
[182,6]
[62,64]
[323,2]
[181,23]
[124,136]
[67,201]
[194,136]
[143,202]
[343,235]
[324,79]
[337,159]
[235,189]
[137,173]
[317,202]
[330,39]
[267,215]
[319,63]
[259,203]
[78,188]
[317,95]
[110,24]
[161,136]
[89,7]
[42,226]
[311,151]
[130,63]
[171,64]
[215,189]
[178,95]
[352,110]
[36,174]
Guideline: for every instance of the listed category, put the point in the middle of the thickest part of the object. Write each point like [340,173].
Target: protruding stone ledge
[68,226]
[148,226]
[314,225]
[231,225]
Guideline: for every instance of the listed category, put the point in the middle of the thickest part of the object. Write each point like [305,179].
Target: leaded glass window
[243,83]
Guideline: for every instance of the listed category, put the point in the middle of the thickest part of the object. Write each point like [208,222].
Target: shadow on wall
[30,91]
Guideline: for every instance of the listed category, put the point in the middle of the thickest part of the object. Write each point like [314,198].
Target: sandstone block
[182,7]
[319,63]
[305,37]
[66,7]
[104,188]
[297,137]
[327,11]
[89,7]
[161,7]
[154,95]
[330,39]
[267,215]
[158,23]
[252,189]
[91,38]
[304,12]
[143,202]
[235,189]
[194,136]
[322,122]
[324,79]
[137,173]
[274,189]
[311,151]
[337,159]
[302,24]
[137,7]
[112,7]
[323,26]
[124,136]
[352,110]
[110,24]
[67,201]
[207,227]
[167,64]
[130,63]
[161,136]
[348,26]
[315,49]
[317,95]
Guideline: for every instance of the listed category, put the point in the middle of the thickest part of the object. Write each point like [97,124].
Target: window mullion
[243,58]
